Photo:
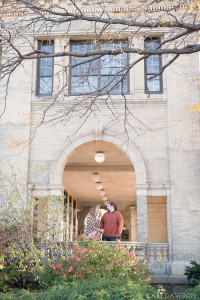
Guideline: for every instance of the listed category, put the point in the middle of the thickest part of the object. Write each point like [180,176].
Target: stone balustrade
[157,254]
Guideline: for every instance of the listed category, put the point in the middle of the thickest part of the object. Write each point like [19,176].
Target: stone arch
[58,165]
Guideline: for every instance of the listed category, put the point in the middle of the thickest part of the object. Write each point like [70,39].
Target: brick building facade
[164,149]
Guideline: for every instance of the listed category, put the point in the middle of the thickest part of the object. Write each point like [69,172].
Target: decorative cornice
[112,9]
[158,190]
[46,190]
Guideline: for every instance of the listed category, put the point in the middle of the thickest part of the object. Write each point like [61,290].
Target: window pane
[83,85]
[89,68]
[153,85]
[81,47]
[46,66]
[45,69]
[46,47]
[153,67]
[109,82]
[88,76]
[152,44]
[112,64]
[153,64]
[45,85]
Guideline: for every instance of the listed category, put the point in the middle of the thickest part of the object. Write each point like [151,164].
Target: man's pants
[111,239]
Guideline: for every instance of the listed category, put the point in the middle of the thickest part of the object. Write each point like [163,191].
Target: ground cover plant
[94,289]
[191,293]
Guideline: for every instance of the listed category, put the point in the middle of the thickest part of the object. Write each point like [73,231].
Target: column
[53,195]
[67,221]
[133,224]
[169,220]
[142,217]
[56,209]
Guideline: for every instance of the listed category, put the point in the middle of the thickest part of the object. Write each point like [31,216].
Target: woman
[93,224]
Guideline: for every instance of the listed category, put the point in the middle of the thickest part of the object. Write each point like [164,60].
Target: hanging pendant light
[102,193]
[99,186]
[95,177]
[99,157]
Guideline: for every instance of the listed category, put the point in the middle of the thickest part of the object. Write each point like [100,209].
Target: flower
[52,266]
[70,269]
[136,270]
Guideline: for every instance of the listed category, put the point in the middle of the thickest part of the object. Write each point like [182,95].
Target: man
[112,222]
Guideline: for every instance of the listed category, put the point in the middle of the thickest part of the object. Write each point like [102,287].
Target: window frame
[70,93]
[38,76]
[147,91]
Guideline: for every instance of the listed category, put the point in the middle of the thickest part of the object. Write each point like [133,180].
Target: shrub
[193,273]
[17,260]
[192,293]
[99,289]
[94,259]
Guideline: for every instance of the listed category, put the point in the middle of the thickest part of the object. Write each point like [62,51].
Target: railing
[157,254]
[158,257]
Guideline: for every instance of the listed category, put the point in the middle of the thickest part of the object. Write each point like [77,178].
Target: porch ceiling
[117,175]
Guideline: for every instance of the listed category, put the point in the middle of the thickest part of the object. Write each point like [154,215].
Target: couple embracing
[110,225]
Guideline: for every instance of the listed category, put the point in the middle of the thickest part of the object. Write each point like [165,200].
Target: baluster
[142,252]
[146,251]
[165,259]
[133,249]
[151,255]
[158,254]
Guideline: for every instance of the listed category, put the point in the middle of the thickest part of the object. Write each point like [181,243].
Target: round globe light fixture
[102,193]
[95,177]
[99,186]
[99,157]
[105,198]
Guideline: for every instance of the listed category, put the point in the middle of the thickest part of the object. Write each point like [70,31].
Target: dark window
[45,69]
[153,65]
[102,74]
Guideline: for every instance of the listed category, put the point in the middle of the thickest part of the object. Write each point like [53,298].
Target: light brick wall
[166,136]
[184,157]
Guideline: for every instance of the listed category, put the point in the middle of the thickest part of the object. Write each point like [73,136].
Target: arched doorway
[91,182]
[133,161]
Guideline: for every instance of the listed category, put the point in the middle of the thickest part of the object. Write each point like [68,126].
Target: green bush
[17,260]
[99,289]
[192,293]
[94,260]
[193,273]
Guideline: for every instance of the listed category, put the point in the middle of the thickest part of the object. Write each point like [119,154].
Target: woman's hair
[93,209]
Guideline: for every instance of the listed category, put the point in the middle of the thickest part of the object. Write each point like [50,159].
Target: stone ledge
[167,279]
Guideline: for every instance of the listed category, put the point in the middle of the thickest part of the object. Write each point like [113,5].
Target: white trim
[58,165]
[46,190]
[88,10]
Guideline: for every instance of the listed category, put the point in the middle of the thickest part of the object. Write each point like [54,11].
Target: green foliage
[193,273]
[96,289]
[94,260]
[192,293]
[20,228]
[17,261]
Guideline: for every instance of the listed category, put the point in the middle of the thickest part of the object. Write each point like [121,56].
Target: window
[153,65]
[102,74]
[45,69]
